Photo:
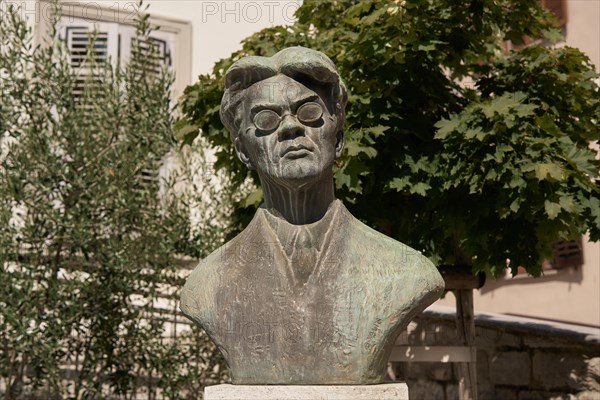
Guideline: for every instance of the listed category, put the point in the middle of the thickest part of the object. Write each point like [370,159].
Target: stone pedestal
[389,391]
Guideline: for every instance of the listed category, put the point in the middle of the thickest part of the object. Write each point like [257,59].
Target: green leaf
[359,8]
[502,104]
[476,133]
[377,130]
[349,176]
[516,181]
[567,203]
[445,127]
[524,110]
[399,184]
[548,171]
[354,148]
[515,205]
[426,47]
[491,175]
[342,179]
[552,209]
[254,199]
[420,188]
[370,19]
[547,124]
[183,130]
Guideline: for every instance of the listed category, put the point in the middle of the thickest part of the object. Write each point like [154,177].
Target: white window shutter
[77,34]
[161,44]
[114,43]
[165,44]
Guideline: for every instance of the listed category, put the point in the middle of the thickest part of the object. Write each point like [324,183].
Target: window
[115,26]
[565,254]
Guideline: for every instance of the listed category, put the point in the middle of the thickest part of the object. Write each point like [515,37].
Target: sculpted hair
[310,67]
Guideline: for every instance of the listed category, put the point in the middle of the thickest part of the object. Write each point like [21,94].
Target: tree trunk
[465,324]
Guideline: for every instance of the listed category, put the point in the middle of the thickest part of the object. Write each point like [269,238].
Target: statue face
[288,134]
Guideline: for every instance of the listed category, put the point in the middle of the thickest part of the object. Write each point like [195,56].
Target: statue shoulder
[394,257]
[376,244]
[198,293]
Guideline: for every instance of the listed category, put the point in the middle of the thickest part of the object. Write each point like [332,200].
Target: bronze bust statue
[306,294]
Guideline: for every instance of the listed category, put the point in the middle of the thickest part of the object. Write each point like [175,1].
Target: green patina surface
[306,294]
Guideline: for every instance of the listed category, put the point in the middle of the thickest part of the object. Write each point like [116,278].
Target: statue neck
[299,205]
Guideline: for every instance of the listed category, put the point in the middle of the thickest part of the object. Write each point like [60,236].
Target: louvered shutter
[567,253]
[115,43]
[78,34]
[161,49]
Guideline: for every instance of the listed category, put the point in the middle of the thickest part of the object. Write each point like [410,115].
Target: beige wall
[583,29]
[570,295]
[219,26]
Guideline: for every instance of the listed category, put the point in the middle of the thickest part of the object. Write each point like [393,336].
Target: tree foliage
[454,145]
[87,246]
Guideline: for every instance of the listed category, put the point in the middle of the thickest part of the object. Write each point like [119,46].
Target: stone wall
[517,358]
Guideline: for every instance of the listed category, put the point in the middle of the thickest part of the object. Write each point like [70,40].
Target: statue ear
[241,152]
[339,144]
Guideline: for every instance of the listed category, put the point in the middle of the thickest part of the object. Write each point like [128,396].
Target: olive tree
[89,247]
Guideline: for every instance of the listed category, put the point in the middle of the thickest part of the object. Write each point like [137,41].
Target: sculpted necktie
[303,254]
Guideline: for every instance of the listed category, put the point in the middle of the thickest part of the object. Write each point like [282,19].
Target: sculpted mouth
[296,151]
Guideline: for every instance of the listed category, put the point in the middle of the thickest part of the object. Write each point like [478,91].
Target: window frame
[123,14]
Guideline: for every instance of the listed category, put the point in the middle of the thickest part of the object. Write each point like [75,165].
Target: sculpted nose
[290,128]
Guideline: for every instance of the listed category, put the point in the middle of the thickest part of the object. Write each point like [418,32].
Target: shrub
[89,247]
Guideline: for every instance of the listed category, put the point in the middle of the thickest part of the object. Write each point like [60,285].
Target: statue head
[285,114]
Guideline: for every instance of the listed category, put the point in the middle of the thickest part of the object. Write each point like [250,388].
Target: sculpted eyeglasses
[307,113]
